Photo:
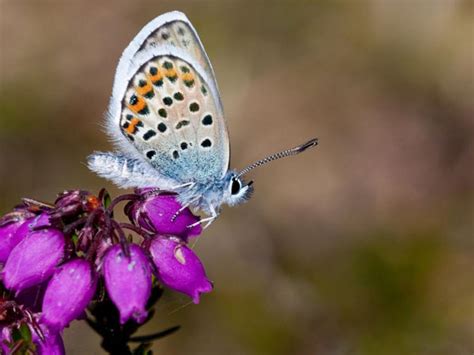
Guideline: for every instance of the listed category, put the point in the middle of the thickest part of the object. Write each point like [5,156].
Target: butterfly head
[237,190]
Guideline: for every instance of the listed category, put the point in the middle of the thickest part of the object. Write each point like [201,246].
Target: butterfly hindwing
[171,116]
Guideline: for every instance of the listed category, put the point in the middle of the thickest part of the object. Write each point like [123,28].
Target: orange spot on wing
[187,76]
[143,90]
[156,77]
[170,72]
[140,105]
[132,126]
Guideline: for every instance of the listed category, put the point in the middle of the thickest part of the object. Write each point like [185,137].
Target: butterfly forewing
[171,117]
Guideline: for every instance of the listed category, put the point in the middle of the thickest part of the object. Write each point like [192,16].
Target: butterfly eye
[235,188]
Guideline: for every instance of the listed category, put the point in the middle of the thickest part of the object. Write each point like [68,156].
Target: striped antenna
[286,153]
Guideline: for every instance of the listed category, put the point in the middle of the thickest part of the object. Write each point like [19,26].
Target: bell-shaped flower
[13,228]
[163,214]
[33,260]
[69,292]
[128,281]
[179,268]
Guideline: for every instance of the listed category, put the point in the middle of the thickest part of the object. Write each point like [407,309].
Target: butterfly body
[166,120]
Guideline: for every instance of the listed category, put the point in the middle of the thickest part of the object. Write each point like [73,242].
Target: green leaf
[25,332]
[107,200]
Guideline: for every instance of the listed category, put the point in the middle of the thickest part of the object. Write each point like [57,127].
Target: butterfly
[165,118]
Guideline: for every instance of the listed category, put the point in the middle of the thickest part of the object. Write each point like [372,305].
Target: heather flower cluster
[74,260]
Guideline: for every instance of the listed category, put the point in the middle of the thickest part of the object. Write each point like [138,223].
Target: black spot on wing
[150,154]
[167,65]
[206,143]
[168,101]
[207,120]
[178,96]
[182,124]
[162,127]
[162,112]
[150,133]
[194,107]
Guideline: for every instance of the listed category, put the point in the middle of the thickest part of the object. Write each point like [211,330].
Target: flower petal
[179,268]
[128,281]
[52,345]
[69,292]
[160,212]
[9,239]
[34,259]
[12,233]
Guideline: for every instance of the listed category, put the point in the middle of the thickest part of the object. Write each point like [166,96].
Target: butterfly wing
[171,116]
[165,108]
[170,29]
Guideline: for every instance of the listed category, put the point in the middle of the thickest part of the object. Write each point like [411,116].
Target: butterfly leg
[207,220]
[178,212]
[188,184]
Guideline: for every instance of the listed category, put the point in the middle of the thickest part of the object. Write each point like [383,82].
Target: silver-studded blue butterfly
[166,119]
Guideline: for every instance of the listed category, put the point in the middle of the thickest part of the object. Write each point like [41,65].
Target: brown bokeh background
[362,246]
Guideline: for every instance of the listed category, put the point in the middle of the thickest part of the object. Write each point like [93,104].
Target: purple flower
[34,259]
[13,228]
[5,338]
[179,268]
[9,239]
[161,214]
[128,281]
[52,345]
[69,292]
[32,297]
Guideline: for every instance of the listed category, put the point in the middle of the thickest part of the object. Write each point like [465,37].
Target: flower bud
[69,292]
[34,259]
[128,281]
[8,239]
[161,213]
[13,228]
[179,268]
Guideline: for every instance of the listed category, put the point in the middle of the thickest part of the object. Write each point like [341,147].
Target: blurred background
[361,246]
